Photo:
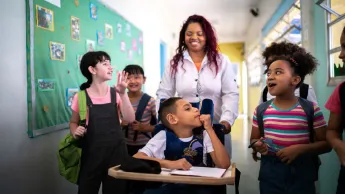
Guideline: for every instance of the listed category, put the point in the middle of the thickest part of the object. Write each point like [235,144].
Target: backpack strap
[260,116]
[145,99]
[308,108]
[82,107]
[264,94]
[342,102]
[303,90]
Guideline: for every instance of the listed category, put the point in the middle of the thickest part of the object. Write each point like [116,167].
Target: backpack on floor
[69,153]
[303,92]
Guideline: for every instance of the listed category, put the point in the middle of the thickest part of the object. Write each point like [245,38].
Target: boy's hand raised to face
[206,121]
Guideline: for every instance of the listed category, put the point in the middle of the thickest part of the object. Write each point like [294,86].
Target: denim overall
[103,147]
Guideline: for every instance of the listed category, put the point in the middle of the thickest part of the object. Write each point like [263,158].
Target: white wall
[266,10]
[144,14]
[30,165]
[26,165]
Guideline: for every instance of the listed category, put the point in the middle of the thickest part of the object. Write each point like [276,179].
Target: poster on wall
[70,92]
[93,11]
[90,45]
[100,38]
[44,18]
[108,31]
[57,51]
[55,67]
[75,28]
[45,85]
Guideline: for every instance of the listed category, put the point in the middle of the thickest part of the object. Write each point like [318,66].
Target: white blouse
[195,86]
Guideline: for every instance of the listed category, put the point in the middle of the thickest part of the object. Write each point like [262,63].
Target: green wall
[51,108]
[328,175]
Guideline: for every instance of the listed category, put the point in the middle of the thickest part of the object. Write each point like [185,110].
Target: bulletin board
[59,32]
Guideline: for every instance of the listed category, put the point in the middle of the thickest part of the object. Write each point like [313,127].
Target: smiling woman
[199,71]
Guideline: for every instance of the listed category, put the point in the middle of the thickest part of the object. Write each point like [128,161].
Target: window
[255,67]
[335,10]
[288,28]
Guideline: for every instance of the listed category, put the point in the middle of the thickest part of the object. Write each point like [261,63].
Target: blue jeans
[279,178]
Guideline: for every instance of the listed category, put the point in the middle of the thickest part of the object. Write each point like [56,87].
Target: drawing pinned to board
[123,46]
[45,85]
[119,28]
[128,30]
[100,37]
[141,38]
[75,30]
[57,51]
[130,54]
[139,51]
[44,18]
[108,31]
[93,11]
[134,44]
[79,57]
[90,45]
[70,92]
[76,2]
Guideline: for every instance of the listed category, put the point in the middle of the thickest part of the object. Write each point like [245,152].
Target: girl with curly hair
[288,131]
[199,71]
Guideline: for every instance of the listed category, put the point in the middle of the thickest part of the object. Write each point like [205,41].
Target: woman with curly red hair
[199,71]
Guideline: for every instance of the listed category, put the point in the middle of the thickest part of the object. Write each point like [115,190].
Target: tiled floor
[241,155]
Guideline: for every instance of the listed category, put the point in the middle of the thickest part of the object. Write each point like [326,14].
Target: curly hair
[279,49]
[302,63]
[211,46]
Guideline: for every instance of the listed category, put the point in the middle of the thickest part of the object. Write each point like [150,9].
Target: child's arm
[178,164]
[128,114]
[255,143]
[126,108]
[219,155]
[154,150]
[76,130]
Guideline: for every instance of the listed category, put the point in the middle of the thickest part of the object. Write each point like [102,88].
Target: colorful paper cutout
[130,54]
[75,28]
[123,46]
[108,29]
[79,57]
[93,11]
[90,45]
[119,28]
[128,30]
[100,37]
[134,44]
[70,92]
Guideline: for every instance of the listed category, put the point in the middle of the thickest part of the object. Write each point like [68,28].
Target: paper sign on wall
[55,2]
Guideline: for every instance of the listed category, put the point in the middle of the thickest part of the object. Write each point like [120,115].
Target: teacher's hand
[227,127]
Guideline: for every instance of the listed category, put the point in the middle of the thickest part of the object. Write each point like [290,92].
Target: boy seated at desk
[178,148]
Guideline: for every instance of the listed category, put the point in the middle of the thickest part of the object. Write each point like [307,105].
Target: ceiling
[230,18]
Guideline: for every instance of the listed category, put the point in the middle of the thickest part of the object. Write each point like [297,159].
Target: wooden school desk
[227,179]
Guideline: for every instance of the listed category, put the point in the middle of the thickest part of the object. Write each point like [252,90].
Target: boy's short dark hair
[166,107]
[134,69]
